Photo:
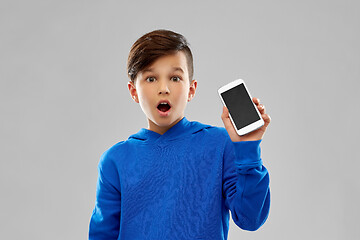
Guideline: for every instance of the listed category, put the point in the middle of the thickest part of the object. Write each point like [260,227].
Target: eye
[176,79]
[150,79]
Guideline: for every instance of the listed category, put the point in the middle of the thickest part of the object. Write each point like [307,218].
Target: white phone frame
[251,127]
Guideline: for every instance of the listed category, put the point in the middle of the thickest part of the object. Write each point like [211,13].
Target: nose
[163,87]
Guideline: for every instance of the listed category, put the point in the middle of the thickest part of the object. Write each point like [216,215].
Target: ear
[192,90]
[133,92]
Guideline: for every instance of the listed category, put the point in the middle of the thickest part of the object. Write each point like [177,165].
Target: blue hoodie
[179,185]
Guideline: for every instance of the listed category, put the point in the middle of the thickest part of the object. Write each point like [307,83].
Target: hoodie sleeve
[105,219]
[246,184]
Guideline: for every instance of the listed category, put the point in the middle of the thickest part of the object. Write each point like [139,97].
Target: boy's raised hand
[252,136]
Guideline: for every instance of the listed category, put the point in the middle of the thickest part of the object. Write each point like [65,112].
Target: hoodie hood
[182,128]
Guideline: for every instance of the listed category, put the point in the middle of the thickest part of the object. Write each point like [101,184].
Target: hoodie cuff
[248,153]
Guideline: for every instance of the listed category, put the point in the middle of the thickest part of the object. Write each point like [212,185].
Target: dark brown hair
[148,48]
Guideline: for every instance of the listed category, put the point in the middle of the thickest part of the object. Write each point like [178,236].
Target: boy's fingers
[256,101]
[261,108]
[266,118]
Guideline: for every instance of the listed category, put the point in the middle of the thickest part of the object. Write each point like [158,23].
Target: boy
[177,179]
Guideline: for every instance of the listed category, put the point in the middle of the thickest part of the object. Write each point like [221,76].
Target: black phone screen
[240,106]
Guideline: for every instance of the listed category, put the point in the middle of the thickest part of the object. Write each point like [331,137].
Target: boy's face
[166,80]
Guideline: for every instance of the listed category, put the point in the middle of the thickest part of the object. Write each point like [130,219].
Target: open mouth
[164,107]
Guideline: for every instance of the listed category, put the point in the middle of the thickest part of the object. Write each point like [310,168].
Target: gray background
[64,101]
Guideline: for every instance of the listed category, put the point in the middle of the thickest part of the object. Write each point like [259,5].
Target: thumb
[229,126]
[226,119]
[224,112]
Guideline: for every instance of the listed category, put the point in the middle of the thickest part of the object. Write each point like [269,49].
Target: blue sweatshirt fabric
[179,185]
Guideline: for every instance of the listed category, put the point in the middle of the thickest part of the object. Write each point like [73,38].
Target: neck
[161,129]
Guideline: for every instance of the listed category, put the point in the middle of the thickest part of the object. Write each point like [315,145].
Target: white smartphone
[244,115]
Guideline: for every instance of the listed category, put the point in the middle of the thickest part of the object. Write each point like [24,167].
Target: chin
[164,122]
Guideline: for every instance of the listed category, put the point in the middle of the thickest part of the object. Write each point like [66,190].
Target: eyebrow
[178,69]
[174,69]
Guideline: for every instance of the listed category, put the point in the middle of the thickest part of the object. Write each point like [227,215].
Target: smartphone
[244,115]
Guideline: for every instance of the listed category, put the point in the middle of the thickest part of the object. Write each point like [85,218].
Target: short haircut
[153,45]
